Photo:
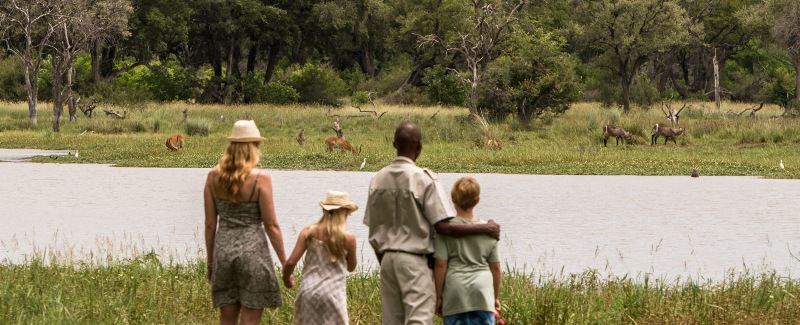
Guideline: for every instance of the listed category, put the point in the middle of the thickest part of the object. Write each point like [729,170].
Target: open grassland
[715,143]
[145,290]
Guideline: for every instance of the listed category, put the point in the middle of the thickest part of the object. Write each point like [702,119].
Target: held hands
[288,281]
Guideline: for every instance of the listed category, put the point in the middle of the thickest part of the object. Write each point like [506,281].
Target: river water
[699,228]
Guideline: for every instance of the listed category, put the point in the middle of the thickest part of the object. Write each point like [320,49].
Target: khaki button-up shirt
[404,203]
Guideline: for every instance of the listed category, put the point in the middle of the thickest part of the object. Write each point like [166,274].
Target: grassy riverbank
[145,290]
[715,143]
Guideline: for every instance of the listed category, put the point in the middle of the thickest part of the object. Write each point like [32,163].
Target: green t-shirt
[468,282]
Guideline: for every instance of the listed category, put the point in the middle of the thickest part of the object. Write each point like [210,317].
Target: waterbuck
[616,132]
[343,145]
[667,131]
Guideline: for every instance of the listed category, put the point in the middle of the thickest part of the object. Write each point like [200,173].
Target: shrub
[443,87]
[255,91]
[317,83]
[12,81]
[360,98]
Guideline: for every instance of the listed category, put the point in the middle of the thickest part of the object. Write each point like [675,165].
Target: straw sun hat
[245,131]
[335,200]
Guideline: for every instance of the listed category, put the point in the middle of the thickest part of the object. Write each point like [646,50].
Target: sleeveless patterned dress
[322,297]
[243,268]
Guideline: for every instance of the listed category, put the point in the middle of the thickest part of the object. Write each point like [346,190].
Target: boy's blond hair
[466,193]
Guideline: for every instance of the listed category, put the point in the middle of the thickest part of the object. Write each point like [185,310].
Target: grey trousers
[408,295]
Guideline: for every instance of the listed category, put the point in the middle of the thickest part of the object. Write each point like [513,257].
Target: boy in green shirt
[467,269]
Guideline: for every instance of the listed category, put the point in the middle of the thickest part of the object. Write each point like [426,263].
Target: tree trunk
[73,112]
[251,59]
[626,88]
[796,59]
[95,52]
[31,90]
[272,60]
[367,63]
[107,61]
[58,102]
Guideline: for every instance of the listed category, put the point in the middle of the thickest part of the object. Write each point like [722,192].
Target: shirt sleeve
[437,206]
[494,255]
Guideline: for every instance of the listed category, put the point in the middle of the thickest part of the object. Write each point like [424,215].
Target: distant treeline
[496,57]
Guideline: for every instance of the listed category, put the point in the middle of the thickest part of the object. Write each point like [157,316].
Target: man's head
[408,140]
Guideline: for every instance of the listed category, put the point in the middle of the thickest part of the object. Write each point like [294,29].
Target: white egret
[363,164]
[781,164]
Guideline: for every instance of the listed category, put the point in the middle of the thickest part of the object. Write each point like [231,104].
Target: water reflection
[672,226]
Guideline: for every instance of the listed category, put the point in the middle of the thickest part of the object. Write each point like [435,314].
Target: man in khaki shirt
[405,204]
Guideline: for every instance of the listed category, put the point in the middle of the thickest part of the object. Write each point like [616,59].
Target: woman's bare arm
[268,217]
[210,209]
[291,262]
[352,261]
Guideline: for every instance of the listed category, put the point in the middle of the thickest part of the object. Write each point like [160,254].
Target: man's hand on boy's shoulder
[493,229]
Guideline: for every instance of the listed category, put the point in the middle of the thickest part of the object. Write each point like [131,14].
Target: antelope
[616,132]
[671,114]
[667,131]
[301,137]
[175,142]
[343,145]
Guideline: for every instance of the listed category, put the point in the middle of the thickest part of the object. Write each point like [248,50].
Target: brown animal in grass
[666,131]
[616,132]
[340,143]
[175,142]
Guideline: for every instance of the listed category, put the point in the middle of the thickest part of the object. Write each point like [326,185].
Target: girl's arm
[291,262]
[496,273]
[352,261]
[266,204]
[439,272]
[210,209]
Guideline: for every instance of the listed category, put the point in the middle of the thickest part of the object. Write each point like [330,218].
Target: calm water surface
[667,226]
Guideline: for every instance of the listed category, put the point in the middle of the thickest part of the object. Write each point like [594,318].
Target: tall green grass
[715,143]
[150,290]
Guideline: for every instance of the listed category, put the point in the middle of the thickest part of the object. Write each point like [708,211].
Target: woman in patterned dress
[322,297]
[239,217]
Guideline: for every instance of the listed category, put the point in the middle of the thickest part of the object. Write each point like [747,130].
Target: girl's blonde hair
[331,229]
[466,192]
[234,166]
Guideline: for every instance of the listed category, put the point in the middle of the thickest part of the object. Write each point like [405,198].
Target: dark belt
[399,251]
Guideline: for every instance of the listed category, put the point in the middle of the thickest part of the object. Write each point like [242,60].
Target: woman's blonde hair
[234,166]
[331,229]
[466,193]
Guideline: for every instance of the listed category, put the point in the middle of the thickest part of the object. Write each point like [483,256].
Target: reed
[715,143]
[147,289]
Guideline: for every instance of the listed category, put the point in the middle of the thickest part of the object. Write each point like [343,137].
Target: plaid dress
[322,297]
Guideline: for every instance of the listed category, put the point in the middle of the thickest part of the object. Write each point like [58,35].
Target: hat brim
[348,206]
[253,139]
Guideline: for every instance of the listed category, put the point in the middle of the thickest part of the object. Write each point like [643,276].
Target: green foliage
[12,81]
[273,92]
[643,92]
[359,98]
[444,87]
[317,83]
[118,94]
[536,79]
[169,81]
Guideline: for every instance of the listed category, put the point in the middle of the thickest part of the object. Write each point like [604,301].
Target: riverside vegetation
[149,288]
[715,143]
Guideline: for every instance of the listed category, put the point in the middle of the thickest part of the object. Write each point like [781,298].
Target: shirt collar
[403,159]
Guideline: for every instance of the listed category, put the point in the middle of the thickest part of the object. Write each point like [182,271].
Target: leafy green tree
[486,28]
[27,29]
[778,22]
[629,32]
[535,77]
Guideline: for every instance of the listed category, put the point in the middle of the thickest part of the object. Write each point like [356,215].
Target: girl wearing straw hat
[322,297]
[239,217]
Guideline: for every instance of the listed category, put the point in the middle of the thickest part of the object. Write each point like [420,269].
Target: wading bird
[363,164]
[781,164]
